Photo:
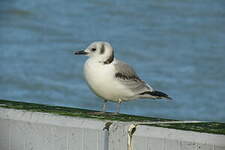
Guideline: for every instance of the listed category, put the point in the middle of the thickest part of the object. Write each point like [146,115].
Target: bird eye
[93,49]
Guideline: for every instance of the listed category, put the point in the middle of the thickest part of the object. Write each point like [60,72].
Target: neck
[109,60]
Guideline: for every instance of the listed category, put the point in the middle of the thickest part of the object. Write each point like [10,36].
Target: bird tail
[155,94]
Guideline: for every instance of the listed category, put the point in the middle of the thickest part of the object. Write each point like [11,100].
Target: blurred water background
[176,46]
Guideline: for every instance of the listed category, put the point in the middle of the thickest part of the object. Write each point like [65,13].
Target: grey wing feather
[127,76]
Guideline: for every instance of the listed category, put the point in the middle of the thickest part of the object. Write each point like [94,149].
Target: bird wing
[126,75]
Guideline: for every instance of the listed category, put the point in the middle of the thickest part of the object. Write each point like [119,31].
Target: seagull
[114,80]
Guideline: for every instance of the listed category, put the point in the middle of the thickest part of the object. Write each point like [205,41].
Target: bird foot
[97,113]
[115,113]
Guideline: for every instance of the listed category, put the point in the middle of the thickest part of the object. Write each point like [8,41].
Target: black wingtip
[169,98]
[160,95]
[157,94]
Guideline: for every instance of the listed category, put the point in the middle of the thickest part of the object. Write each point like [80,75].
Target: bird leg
[103,109]
[118,107]
[104,106]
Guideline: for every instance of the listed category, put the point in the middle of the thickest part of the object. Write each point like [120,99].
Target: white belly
[101,79]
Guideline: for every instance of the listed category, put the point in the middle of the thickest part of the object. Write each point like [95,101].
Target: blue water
[176,46]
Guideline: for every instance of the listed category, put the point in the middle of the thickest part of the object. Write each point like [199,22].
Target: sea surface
[178,47]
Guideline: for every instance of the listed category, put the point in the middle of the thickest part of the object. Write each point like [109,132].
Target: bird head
[100,51]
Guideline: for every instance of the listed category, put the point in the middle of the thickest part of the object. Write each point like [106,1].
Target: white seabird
[112,79]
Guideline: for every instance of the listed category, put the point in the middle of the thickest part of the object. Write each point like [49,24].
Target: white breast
[101,79]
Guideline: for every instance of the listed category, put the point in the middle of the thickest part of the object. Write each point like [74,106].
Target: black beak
[80,53]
